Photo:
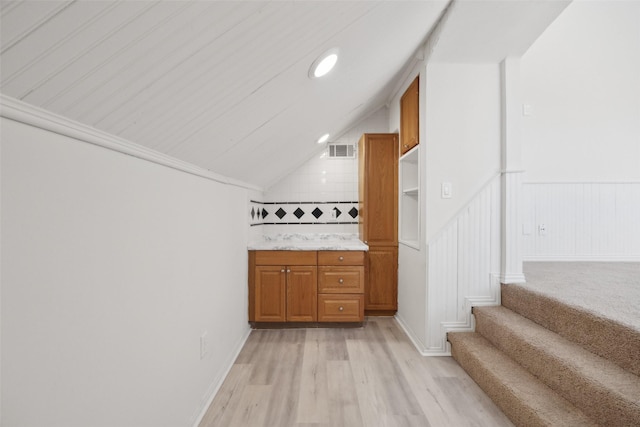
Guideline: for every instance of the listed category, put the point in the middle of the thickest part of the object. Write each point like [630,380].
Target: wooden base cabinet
[306,286]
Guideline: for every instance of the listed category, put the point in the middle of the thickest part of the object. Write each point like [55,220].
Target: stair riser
[555,373]
[591,332]
[517,410]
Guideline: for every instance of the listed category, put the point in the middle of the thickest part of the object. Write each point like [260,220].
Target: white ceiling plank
[47,38]
[218,111]
[229,80]
[200,90]
[18,19]
[192,80]
[129,52]
[159,60]
[134,27]
[88,39]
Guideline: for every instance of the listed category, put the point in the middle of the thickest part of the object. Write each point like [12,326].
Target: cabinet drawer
[340,258]
[337,280]
[286,257]
[340,308]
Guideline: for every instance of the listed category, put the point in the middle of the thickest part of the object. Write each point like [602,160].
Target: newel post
[511,270]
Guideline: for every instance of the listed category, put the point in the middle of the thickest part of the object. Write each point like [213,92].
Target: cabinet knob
[341,308]
[288,271]
[341,258]
[340,281]
[282,271]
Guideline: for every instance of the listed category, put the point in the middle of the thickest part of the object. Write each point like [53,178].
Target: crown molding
[22,112]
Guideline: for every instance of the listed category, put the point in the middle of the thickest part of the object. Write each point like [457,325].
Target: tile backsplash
[304,213]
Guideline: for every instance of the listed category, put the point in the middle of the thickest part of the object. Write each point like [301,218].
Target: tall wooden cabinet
[378,196]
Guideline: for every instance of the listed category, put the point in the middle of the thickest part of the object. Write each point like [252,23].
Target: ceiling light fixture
[324,63]
[324,138]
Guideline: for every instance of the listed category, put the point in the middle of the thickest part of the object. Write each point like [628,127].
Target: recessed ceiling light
[324,63]
[324,138]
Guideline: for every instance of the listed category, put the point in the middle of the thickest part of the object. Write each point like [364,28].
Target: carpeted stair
[546,364]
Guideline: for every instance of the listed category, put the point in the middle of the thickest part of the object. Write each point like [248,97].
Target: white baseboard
[512,278]
[417,343]
[218,381]
[415,340]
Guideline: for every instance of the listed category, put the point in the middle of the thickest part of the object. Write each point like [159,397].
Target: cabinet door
[302,294]
[270,294]
[409,117]
[382,290]
[379,190]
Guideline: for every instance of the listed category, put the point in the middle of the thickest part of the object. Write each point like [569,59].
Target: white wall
[462,136]
[581,141]
[112,268]
[581,79]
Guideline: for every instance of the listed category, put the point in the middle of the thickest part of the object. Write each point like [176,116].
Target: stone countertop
[309,242]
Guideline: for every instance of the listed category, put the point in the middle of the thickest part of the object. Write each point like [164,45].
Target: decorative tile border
[308,213]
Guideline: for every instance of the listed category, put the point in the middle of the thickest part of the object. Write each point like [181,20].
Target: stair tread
[569,354]
[578,324]
[549,406]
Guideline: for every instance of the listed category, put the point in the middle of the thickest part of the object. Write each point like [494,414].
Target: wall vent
[342,151]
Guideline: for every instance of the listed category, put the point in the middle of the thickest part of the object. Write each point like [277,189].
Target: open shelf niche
[410,198]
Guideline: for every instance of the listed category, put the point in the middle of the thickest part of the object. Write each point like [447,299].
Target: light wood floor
[370,376]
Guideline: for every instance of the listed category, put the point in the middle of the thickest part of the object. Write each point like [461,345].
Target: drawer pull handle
[341,308]
[340,281]
[341,258]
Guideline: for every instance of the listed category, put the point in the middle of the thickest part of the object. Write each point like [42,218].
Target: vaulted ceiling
[221,84]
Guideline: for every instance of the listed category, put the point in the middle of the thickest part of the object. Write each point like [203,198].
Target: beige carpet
[611,289]
[563,349]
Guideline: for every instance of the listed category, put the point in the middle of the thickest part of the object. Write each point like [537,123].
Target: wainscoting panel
[581,221]
[464,262]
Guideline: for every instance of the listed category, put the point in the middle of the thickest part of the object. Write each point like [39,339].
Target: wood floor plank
[313,399]
[370,376]
[344,410]
[252,406]
[227,400]
[287,377]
